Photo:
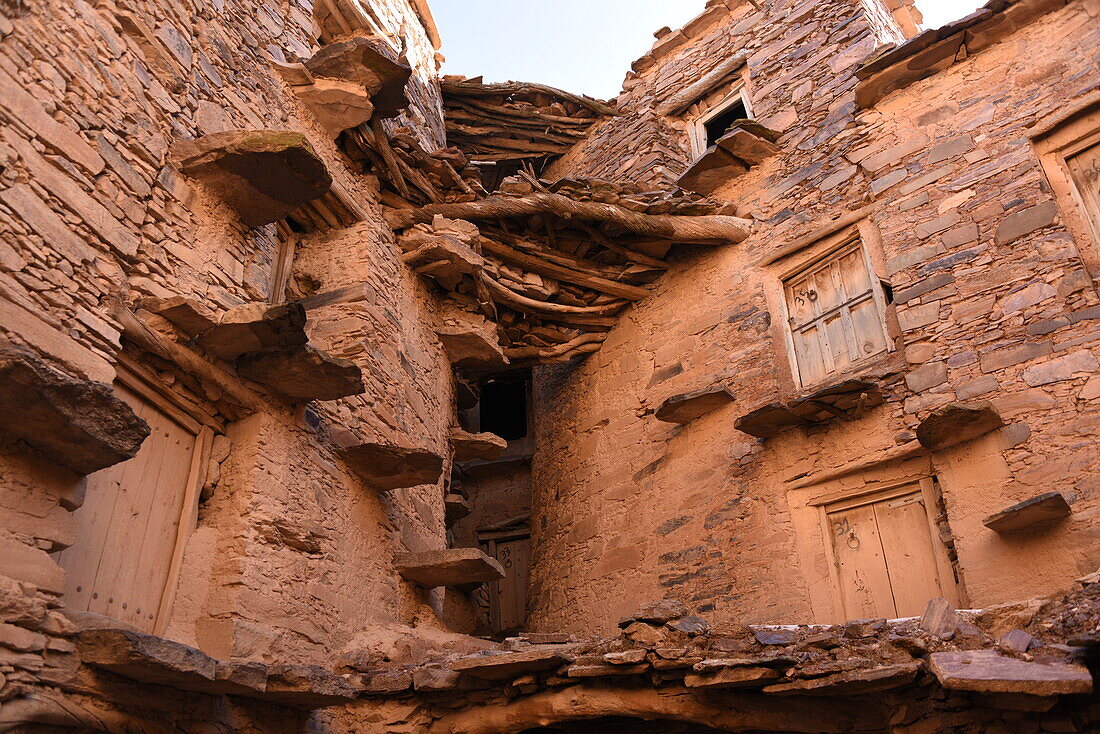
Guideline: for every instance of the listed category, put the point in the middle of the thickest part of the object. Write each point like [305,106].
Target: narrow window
[836,313]
[503,409]
[715,123]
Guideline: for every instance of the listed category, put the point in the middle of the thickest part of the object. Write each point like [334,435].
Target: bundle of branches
[516,121]
[555,284]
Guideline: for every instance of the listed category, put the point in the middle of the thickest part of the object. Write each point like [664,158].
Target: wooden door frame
[203,425]
[877,492]
[1055,142]
[489,539]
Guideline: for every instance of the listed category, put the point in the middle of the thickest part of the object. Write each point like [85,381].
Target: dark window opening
[503,409]
[720,124]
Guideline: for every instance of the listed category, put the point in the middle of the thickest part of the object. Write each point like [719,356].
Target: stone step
[388,466]
[688,406]
[1042,508]
[508,665]
[452,567]
[988,671]
[302,373]
[476,446]
[957,423]
[78,424]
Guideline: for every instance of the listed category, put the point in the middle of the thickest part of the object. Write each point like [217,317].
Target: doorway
[511,547]
[137,516]
[887,560]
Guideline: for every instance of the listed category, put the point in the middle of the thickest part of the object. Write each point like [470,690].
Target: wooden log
[495,111]
[557,256]
[584,343]
[537,265]
[604,241]
[692,93]
[519,302]
[706,229]
[382,145]
[137,331]
[474,89]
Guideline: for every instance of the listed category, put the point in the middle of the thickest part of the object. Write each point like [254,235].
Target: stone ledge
[261,174]
[78,424]
[843,401]
[387,466]
[988,671]
[748,144]
[476,446]
[1042,508]
[302,373]
[686,407]
[957,423]
[452,567]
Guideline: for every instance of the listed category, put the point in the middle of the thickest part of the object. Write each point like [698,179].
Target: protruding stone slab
[472,349]
[987,671]
[747,147]
[746,677]
[443,250]
[338,105]
[365,60]
[189,315]
[306,687]
[260,174]
[456,507]
[656,612]
[452,567]
[302,373]
[1042,508]
[76,423]
[473,446]
[956,423]
[835,401]
[715,168]
[695,404]
[388,466]
[505,666]
[255,327]
[147,658]
[869,680]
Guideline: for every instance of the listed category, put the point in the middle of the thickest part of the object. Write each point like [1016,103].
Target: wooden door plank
[861,564]
[910,559]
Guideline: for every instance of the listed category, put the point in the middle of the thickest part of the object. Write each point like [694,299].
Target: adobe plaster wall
[293,553]
[989,306]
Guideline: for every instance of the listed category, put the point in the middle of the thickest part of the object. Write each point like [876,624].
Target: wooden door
[509,600]
[887,561]
[1084,167]
[134,519]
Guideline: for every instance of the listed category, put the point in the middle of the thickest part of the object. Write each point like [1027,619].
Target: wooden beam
[474,89]
[692,93]
[560,272]
[519,302]
[708,229]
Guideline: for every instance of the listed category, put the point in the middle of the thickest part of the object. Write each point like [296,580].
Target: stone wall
[293,552]
[992,302]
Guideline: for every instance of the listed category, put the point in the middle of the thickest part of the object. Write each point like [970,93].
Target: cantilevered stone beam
[452,567]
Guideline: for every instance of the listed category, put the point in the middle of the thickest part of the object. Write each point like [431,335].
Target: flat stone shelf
[476,446]
[78,424]
[836,401]
[1042,508]
[388,466]
[688,406]
[457,568]
[302,373]
[252,327]
[957,423]
[509,665]
[471,349]
[747,144]
[987,671]
[149,659]
[260,174]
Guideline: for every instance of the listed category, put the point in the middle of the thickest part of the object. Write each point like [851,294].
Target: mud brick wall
[993,302]
[293,553]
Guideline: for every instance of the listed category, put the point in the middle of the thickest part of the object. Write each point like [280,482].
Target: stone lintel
[452,567]
[1042,508]
[78,424]
[508,665]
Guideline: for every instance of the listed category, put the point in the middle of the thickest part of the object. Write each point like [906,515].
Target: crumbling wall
[981,268]
[293,552]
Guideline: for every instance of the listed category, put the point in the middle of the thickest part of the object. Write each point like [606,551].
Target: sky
[583,46]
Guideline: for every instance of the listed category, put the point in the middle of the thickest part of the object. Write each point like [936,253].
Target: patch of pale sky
[583,46]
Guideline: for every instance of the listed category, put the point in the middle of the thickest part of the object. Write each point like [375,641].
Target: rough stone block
[146,658]
[505,666]
[452,567]
[387,466]
[1042,508]
[750,149]
[75,423]
[302,373]
[688,406]
[338,105]
[261,174]
[711,171]
[306,687]
[657,612]
[472,446]
[456,508]
[746,677]
[471,348]
[871,680]
[1062,368]
[987,671]
[957,423]
[364,60]
[1026,221]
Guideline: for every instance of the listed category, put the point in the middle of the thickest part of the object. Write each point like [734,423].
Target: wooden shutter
[1085,171]
[836,314]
